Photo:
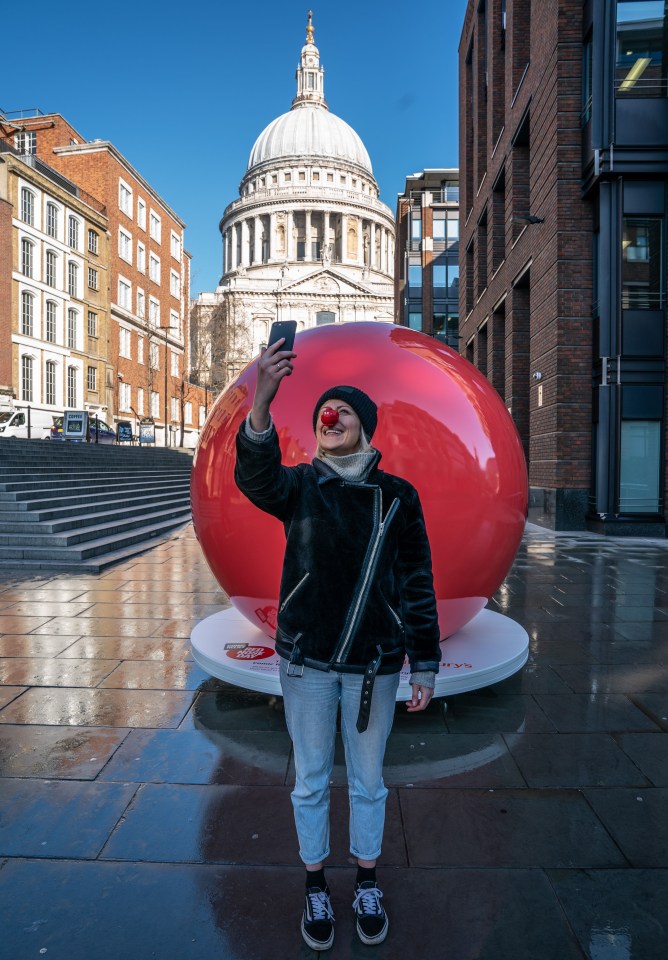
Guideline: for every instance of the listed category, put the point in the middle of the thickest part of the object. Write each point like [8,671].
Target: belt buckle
[295,669]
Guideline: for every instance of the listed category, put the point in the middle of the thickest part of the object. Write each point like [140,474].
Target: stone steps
[84,507]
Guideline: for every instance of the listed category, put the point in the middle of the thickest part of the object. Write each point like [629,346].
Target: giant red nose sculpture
[440,425]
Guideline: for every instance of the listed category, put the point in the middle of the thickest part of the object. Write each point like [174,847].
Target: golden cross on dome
[309,27]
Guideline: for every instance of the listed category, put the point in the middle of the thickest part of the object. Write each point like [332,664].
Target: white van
[14,423]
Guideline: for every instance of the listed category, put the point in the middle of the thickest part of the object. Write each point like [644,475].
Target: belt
[367,691]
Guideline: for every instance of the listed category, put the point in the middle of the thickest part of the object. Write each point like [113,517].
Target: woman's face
[342,437]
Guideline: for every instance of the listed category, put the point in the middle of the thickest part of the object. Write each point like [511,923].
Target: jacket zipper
[344,645]
[293,592]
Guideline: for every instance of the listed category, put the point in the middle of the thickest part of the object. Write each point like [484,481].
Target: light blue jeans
[311,704]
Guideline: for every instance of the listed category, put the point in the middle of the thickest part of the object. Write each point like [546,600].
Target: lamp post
[166,398]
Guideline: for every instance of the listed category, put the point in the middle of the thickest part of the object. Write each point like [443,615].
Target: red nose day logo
[250,653]
[267,615]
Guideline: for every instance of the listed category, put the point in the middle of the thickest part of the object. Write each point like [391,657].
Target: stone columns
[233,246]
[307,235]
[245,244]
[289,226]
[271,246]
[257,236]
[325,232]
[360,242]
[372,251]
[344,238]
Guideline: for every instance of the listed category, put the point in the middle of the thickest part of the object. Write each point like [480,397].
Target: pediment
[327,281]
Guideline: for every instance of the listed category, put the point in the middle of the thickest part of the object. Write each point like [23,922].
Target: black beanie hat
[361,403]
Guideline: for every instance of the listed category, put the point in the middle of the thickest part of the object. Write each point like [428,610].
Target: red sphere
[329,416]
[441,425]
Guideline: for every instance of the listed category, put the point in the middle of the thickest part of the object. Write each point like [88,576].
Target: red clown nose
[329,416]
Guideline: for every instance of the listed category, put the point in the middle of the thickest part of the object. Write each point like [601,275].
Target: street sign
[124,431]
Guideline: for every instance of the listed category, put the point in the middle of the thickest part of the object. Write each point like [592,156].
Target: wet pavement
[145,808]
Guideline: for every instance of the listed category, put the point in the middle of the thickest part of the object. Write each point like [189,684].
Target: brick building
[149,280]
[426,265]
[563,167]
[54,291]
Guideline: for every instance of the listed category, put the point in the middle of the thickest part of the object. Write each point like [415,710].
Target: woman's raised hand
[274,364]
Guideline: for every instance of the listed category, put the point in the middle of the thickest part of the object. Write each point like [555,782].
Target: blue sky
[184,89]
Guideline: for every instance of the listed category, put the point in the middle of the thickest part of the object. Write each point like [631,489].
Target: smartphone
[283,328]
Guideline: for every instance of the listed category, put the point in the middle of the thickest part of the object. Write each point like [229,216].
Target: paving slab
[528,828]
[59,818]
[636,820]
[649,751]
[615,914]
[59,753]
[250,757]
[102,708]
[573,760]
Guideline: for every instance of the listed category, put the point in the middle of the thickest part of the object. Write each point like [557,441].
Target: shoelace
[321,907]
[370,898]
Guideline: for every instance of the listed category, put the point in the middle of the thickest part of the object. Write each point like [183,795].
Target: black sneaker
[372,922]
[318,919]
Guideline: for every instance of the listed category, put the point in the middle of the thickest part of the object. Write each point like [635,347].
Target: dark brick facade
[526,287]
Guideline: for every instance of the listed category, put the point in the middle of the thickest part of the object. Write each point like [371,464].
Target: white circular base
[489,648]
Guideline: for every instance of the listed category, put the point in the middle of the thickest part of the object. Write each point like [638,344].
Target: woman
[356,596]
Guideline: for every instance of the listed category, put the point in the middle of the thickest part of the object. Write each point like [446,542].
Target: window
[72,329]
[439,278]
[453,279]
[155,226]
[26,378]
[287,176]
[642,256]
[140,401]
[26,142]
[176,246]
[587,79]
[154,355]
[174,322]
[330,178]
[92,379]
[51,220]
[154,268]
[140,349]
[124,294]
[141,213]
[50,383]
[27,206]
[72,278]
[640,466]
[141,257]
[154,311]
[73,232]
[175,408]
[50,271]
[26,258]
[414,280]
[452,229]
[438,230]
[642,35]
[416,225]
[71,386]
[92,323]
[202,415]
[175,284]
[124,343]
[188,417]
[141,303]
[27,312]
[155,404]
[175,363]
[125,396]
[415,319]
[92,278]
[125,198]
[92,241]
[50,332]
[124,245]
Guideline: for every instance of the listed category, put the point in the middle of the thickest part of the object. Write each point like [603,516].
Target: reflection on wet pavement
[529,815]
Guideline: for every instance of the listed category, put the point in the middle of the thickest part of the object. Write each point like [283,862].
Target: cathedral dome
[309,131]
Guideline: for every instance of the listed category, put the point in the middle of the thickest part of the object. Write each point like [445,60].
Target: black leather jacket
[357,588]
